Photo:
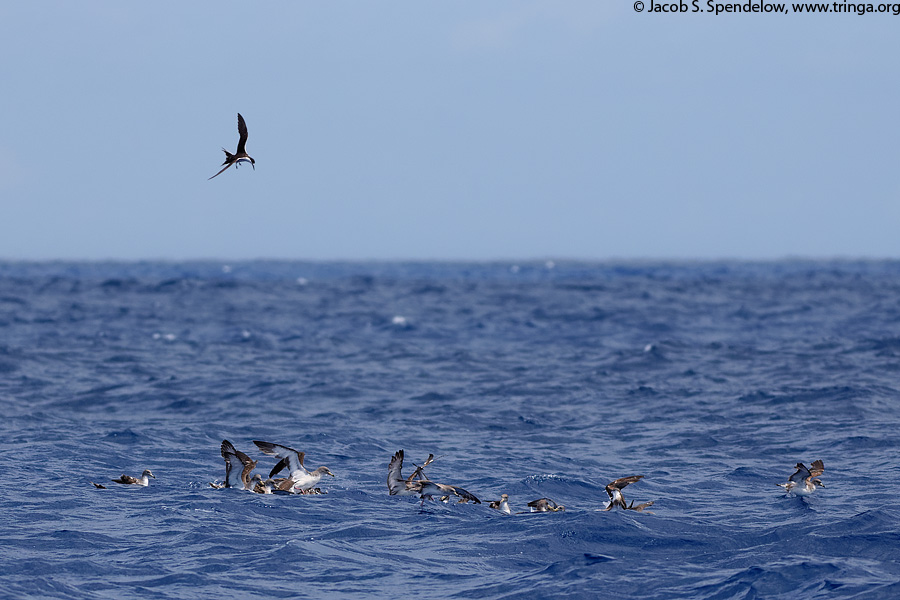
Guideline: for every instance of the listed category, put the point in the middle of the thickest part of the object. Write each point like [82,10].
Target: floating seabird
[502,504]
[129,480]
[260,486]
[300,480]
[545,505]
[232,477]
[614,490]
[430,489]
[98,486]
[640,507]
[422,487]
[804,481]
[240,155]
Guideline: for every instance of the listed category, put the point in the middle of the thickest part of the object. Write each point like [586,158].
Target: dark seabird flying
[240,155]
[614,490]
[804,481]
[300,480]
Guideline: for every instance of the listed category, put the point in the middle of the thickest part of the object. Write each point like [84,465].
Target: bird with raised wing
[614,491]
[804,481]
[300,481]
[234,478]
[240,155]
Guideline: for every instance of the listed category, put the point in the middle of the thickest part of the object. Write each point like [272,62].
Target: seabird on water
[233,478]
[430,489]
[614,491]
[502,504]
[300,480]
[422,487]
[804,481]
[545,505]
[260,486]
[240,155]
[144,481]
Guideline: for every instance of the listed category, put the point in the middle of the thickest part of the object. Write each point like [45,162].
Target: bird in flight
[240,155]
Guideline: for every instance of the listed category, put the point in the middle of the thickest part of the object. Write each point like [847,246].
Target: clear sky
[442,129]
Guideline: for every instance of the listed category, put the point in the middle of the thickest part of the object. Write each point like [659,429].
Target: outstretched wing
[289,457]
[464,494]
[817,468]
[538,504]
[800,474]
[233,476]
[242,131]
[395,481]
[620,483]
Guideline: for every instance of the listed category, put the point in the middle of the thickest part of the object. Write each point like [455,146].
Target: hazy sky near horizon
[446,130]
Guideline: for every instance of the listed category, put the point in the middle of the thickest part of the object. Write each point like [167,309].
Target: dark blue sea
[534,379]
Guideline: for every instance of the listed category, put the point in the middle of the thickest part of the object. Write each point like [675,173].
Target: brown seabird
[260,486]
[300,480]
[240,155]
[397,485]
[144,481]
[430,489]
[422,487]
[614,491]
[804,481]
[545,505]
[231,455]
[502,504]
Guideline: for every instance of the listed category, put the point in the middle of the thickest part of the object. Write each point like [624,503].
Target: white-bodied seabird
[804,481]
[502,504]
[144,481]
[300,480]
[614,491]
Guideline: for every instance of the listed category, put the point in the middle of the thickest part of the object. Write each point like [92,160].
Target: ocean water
[535,380]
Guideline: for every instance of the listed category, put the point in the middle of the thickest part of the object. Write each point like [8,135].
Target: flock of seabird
[239,466]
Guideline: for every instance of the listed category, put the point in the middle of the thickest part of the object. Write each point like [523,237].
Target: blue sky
[506,129]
